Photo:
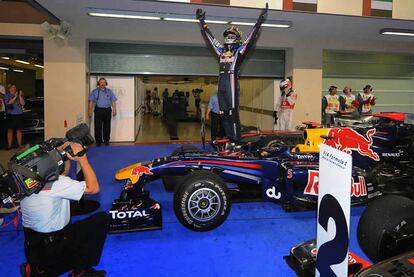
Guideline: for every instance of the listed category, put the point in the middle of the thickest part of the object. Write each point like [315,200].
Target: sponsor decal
[348,140]
[140,170]
[128,214]
[358,189]
[393,155]
[226,59]
[30,183]
[271,193]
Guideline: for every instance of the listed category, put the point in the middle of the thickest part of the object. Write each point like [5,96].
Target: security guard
[366,100]
[330,106]
[100,101]
[348,103]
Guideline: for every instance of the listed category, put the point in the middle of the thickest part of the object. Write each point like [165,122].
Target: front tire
[382,216]
[203,201]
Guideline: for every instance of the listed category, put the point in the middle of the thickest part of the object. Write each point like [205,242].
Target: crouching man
[53,245]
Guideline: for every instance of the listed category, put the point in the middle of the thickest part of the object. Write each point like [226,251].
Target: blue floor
[252,242]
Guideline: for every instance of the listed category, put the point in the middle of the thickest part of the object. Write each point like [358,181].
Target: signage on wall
[334,205]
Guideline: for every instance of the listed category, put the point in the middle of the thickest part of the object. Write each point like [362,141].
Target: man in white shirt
[52,244]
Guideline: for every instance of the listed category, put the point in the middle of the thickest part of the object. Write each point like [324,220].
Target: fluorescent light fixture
[17,70]
[180,19]
[23,62]
[217,22]
[128,16]
[3,68]
[5,58]
[276,25]
[242,23]
[38,65]
[397,32]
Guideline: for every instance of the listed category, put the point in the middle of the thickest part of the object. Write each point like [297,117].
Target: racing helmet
[286,83]
[232,36]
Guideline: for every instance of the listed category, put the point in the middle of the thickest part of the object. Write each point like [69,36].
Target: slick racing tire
[202,202]
[382,216]
[186,149]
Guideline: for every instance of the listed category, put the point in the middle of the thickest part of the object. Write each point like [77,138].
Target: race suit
[230,60]
[285,110]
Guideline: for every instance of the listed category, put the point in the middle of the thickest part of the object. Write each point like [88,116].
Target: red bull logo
[358,189]
[140,170]
[348,140]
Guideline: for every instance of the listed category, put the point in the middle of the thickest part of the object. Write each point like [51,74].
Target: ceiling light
[180,19]
[276,25]
[242,23]
[128,16]
[3,68]
[38,65]
[17,70]
[216,22]
[23,62]
[397,32]
[5,58]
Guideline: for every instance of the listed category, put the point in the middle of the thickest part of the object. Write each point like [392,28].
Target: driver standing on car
[230,57]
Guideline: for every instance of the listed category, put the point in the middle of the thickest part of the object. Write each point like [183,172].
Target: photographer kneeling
[53,245]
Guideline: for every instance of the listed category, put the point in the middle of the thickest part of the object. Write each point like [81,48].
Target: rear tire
[202,202]
[382,215]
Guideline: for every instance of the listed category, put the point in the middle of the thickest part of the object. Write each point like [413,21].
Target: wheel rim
[204,204]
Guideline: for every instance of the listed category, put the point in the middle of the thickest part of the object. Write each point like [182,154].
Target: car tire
[381,216]
[186,149]
[202,202]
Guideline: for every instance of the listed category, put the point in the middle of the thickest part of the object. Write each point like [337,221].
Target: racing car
[205,184]
[386,235]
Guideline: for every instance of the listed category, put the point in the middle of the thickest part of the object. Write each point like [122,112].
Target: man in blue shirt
[14,109]
[102,102]
[216,118]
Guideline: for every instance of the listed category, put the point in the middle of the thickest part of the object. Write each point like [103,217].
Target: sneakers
[91,272]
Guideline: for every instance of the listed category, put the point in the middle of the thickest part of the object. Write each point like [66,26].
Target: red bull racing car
[205,184]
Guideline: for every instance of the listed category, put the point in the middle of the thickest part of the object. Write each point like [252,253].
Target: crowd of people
[347,104]
[12,103]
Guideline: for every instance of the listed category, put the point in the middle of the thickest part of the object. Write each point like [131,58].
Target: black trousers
[216,126]
[102,123]
[77,246]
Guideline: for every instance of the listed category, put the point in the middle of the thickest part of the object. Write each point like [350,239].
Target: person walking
[103,102]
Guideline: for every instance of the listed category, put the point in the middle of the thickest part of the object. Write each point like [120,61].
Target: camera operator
[53,245]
